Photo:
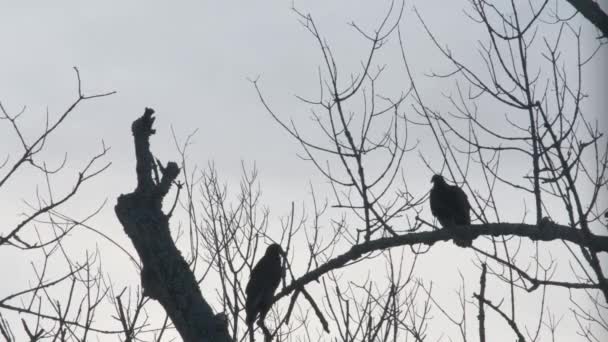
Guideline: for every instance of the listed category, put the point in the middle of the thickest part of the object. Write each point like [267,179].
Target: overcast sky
[192,61]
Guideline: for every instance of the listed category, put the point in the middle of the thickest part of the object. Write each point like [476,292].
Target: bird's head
[275,249]
[437,179]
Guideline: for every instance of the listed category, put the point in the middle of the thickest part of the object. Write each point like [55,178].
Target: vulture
[449,204]
[263,281]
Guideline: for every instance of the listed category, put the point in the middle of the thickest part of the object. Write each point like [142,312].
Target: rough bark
[165,276]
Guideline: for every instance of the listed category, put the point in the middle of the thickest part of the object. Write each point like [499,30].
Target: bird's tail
[250,331]
[463,242]
[249,321]
[462,238]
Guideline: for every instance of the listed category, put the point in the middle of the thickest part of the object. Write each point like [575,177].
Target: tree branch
[592,11]
[548,231]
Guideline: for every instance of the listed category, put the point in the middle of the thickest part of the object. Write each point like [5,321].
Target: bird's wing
[274,274]
[256,278]
[464,200]
[461,204]
[437,202]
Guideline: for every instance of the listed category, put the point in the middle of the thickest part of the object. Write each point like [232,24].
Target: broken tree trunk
[165,274]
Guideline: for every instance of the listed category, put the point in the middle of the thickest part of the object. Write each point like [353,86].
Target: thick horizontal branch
[547,232]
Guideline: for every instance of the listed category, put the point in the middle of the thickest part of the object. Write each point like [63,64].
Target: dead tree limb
[165,276]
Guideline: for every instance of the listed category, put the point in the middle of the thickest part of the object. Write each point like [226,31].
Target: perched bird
[449,204]
[263,281]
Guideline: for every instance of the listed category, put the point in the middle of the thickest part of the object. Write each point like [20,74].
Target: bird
[263,282]
[450,205]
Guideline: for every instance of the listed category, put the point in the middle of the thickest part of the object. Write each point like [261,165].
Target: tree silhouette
[355,261]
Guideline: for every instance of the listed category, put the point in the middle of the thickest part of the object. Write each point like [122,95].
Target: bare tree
[66,295]
[367,141]
[562,144]
[522,103]
[52,306]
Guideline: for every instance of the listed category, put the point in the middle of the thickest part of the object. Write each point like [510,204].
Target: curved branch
[548,231]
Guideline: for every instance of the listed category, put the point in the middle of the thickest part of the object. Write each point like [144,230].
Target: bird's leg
[262,325]
[462,235]
[459,230]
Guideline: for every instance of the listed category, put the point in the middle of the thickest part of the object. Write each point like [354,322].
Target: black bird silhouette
[263,281]
[450,205]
